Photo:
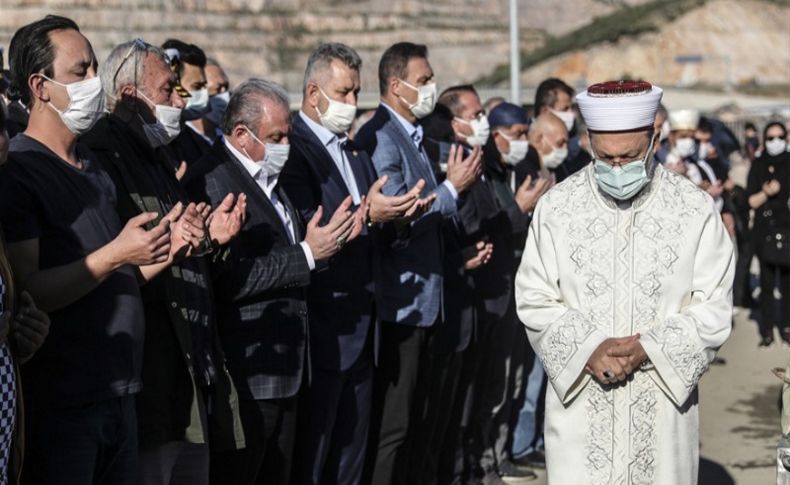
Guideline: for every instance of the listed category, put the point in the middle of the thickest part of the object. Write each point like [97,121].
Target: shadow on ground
[711,473]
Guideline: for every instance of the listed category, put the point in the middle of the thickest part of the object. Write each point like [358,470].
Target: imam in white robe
[661,266]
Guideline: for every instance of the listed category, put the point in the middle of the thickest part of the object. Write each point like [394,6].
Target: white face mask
[776,146]
[480,131]
[338,116]
[625,181]
[426,99]
[274,158]
[555,157]
[567,117]
[86,104]
[518,150]
[166,127]
[685,147]
[197,105]
[219,103]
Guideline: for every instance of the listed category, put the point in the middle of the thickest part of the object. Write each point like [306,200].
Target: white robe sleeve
[563,338]
[682,346]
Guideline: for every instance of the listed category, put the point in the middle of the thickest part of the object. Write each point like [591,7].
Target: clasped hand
[615,359]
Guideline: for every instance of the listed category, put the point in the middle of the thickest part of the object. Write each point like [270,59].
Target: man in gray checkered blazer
[260,278]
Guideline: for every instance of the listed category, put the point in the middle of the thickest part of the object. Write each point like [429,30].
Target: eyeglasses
[137,44]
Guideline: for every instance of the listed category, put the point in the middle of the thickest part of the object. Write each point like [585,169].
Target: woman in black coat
[769,195]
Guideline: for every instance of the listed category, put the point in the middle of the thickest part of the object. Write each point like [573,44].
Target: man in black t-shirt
[70,251]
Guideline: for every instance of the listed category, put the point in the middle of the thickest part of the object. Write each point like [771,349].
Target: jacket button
[174,304]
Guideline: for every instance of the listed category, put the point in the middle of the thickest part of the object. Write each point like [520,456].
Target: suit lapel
[292,213]
[243,178]
[361,167]
[416,160]
[315,150]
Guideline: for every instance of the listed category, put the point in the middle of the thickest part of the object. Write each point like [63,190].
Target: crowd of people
[203,287]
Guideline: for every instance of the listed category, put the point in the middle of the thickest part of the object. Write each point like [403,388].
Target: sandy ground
[739,411]
[739,416]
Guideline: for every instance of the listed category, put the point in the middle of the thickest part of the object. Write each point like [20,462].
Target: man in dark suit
[409,289]
[188,63]
[484,216]
[260,278]
[323,169]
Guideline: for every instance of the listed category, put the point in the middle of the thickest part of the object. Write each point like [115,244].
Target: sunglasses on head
[138,44]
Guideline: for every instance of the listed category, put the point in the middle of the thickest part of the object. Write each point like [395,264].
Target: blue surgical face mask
[625,181]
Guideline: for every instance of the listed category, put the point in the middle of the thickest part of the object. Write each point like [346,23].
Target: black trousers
[430,436]
[269,430]
[91,444]
[488,429]
[174,463]
[401,380]
[334,427]
[741,288]
[451,466]
[774,312]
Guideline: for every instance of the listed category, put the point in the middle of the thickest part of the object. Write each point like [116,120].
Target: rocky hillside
[468,39]
[739,44]
[272,38]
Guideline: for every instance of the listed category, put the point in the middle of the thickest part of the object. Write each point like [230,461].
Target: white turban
[683,119]
[608,107]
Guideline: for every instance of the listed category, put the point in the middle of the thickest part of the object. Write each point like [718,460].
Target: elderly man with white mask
[625,292]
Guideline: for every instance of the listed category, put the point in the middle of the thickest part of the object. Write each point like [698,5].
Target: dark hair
[546,94]
[705,125]
[187,53]
[772,124]
[31,51]
[749,126]
[451,97]
[395,61]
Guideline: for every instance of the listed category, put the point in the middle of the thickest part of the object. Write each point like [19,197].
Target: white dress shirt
[267,185]
[415,132]
[333,144]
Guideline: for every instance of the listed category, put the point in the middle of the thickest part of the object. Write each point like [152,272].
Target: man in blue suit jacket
[323,169]
[260,279]
[409,289]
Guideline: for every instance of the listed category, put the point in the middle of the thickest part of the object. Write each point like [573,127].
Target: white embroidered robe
[591,270]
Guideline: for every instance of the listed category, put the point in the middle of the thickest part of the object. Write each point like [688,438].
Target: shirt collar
[255,171]
[198,132]
[414,131]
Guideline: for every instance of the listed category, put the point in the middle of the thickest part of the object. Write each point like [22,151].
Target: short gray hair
[245,107]
[125,66]
[321,58]
[210,61]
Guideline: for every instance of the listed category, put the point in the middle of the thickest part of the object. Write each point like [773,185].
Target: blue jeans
[528,435]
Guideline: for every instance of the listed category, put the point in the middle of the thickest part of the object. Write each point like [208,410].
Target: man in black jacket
[261,277]
[188,399]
